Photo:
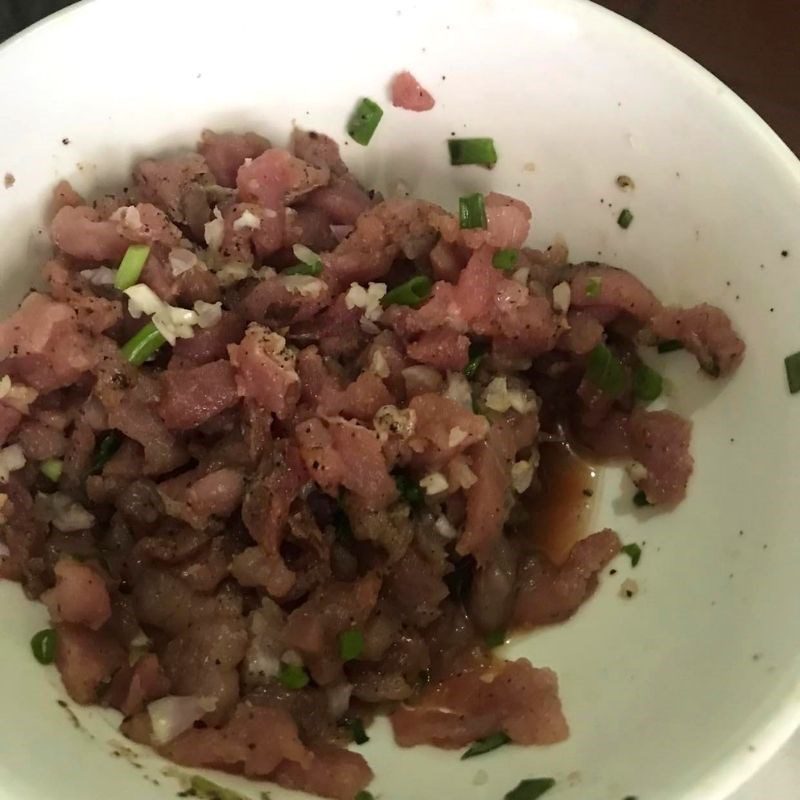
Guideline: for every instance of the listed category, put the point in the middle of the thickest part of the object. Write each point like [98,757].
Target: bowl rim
[734,768]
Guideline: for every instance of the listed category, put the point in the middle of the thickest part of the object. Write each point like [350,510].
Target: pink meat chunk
[332,772]
[81,233]
[226,152]
[40,344]
[408,93]
[86,660]
[660,442]
[706,332]
[360,399]
[442,348]
[265,372]
[256,741]
[612,290]
[550,593]
[190,397]
[277,177]
[133,687]
[80,595]
[513,697]
[337,452]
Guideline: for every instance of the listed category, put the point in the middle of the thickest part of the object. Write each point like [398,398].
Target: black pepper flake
[65,140]
[784,253]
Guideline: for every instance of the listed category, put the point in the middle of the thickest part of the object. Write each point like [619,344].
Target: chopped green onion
[409,490]
[625,218]
[310,262]
[647,384]
[203,787]
[411,293]
[505,259]
[357,731]
[131,266]
[477,352]
[364,795]
[495,639]
[364,120]
[593,286]
[292,676]
[530,789]
[471,211]
[109,445]
[138,349]
[51,468]
[314,270]
[605,372]
[668,345]
[351,644]
[43,645]
[487,744]
[634,552]
[792,364]
[640,499]
[479,151]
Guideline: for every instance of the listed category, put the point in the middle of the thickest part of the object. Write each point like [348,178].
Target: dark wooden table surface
[752,45]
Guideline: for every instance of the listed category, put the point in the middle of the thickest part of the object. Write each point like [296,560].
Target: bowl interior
[679,692]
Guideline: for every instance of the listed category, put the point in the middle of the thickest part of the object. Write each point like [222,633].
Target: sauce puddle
[560,511]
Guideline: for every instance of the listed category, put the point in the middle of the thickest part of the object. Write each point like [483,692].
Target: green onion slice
[51,468]
[477,352]
[364,121]
[640,499]
[43,645]
[292,676]
[487,744]
[505,259]
[593,286]
[315,270]
[357,731]
[409,490]
[634,552]
[669,345]
[530,789]
[625,218]
[109,445]
[364,795]
[131,266]
[792,364]
[351,644]
[146,342]
[472,211]
[495,639]
[411,293]
[479,151]
[605,371]
[310,262]
[647,384]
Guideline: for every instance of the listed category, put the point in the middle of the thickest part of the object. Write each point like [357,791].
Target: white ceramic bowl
[681,692]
